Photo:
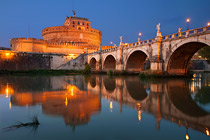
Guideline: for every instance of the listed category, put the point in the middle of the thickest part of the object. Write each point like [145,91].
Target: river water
[102,107]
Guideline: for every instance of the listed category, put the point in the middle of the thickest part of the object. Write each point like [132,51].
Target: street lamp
[139,37]
[188,21]
[208,24]
[111,43]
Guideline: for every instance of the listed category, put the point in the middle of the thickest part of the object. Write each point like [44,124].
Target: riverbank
[40,72]
[80,72]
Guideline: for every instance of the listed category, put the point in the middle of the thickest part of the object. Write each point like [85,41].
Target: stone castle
[73,38]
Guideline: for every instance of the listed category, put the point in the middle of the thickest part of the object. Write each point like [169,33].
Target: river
[103,107]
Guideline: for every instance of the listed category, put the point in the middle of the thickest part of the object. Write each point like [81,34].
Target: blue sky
[114,18]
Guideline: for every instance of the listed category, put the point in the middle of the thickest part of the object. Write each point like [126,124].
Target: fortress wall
[41,46]
[24,61]
[68,50]
[75,64]
[57,60]
[28,45]
[11,60]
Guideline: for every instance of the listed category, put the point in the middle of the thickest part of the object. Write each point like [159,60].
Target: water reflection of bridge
[168,100]
[77,98]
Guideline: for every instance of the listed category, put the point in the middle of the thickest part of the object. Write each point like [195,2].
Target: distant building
[75,37]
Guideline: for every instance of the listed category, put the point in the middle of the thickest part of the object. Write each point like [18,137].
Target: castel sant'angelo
[75,37]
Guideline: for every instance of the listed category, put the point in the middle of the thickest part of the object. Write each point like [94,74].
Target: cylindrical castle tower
[75,30]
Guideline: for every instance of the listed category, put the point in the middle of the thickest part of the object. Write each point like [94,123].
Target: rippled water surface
[103,107]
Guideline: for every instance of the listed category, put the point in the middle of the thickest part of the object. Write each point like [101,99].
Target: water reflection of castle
[169,100]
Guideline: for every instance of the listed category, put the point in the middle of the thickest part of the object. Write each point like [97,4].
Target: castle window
[73,26]
[87,27]
[87,24]
[83,23]
[78,23]
[80,28]
[73,22]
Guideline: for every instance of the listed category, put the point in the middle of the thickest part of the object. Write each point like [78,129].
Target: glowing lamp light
[208,24]
[111,42]
[188,20]
[140,34]
[7,54]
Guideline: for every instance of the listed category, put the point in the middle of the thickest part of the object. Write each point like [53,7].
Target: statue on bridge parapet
[100,47]
[139,40]
[179,31]
[121,40]
[158,30]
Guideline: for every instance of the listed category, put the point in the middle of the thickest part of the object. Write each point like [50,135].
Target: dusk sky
[114,18]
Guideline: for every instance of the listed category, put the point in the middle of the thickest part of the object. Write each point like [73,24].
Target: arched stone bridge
[170,54]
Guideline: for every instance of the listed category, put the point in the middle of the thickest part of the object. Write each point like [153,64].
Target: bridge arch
[93,81]
[109,84]
[136,89]
[109,62]
[179,96]
[181,54]
[135,60]
[93,63]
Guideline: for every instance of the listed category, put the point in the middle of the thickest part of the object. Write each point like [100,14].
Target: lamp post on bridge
[111,43]
[139,39]
[188,21]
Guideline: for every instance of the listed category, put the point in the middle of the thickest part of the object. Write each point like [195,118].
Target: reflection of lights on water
[139,115]
[195,83]
[8,90]
[192,87]
[139,111]
[187,137]
[71,90]
[66,102]
[111,106]
[207,132]
[10,105]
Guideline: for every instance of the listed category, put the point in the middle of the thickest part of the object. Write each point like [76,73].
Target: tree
[205,53]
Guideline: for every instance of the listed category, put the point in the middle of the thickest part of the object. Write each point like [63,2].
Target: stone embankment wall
[200,65]
[75,64]
[10,60]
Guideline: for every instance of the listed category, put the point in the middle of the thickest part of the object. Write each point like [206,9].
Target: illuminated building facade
[75,37]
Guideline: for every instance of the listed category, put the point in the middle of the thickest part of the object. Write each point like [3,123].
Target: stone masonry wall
[75,64]
[10,60]
[23,61]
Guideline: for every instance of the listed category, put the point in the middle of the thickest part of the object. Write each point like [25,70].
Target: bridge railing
[166,37]
[187,33]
